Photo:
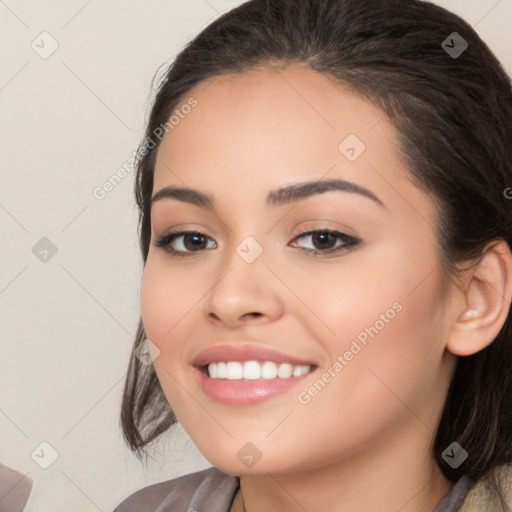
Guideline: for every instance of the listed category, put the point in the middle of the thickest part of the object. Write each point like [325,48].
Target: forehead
[269,127]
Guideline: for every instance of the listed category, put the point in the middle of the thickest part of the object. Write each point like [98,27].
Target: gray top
[211,490]
[455,496]
[14,489]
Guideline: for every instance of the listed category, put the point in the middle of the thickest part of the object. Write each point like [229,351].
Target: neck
[401,476]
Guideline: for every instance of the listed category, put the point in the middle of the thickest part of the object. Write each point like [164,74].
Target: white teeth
[254,370]
[221,370]
[213,370]
[300,370]
[234,370]
[269,370]
[285,371]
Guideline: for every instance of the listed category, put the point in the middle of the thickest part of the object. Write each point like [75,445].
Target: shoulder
[210,489]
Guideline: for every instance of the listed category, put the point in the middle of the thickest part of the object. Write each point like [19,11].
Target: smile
[254,370]
[250,382]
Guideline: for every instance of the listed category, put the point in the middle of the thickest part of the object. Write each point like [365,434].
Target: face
[338,287]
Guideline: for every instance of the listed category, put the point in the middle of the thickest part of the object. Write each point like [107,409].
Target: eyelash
[165,240]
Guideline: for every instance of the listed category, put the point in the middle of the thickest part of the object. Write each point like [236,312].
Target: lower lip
[246,392]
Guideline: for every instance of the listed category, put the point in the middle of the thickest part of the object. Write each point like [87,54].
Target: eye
[326,239]
[186,242]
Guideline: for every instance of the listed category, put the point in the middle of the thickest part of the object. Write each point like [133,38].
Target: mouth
[240,391]
[245,375]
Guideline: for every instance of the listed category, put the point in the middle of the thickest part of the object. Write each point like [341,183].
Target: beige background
[68,122]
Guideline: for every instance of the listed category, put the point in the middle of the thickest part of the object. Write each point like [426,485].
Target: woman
[325,221]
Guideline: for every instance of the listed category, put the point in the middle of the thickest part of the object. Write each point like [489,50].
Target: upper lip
[246,352]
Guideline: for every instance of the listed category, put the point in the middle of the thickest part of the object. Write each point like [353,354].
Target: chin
[248,460]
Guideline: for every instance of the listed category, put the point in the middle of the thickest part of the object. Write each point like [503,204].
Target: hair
[452,116]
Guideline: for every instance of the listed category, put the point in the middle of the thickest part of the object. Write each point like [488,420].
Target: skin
[364,442]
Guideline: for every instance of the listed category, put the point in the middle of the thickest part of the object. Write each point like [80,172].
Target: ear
[487,298]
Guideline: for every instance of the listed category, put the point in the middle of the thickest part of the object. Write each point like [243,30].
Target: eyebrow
[279,197]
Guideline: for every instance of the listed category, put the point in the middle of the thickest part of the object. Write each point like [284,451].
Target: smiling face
[365,317]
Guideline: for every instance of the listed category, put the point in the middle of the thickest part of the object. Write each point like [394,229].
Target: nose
[243,293]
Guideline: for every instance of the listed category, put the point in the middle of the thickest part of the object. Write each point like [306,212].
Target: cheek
[389,381]
[393,285]
[401,349]
[164,301]
[349,296]
[385,320]
[152,300]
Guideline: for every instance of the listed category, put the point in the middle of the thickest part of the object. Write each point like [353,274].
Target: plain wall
[68,122]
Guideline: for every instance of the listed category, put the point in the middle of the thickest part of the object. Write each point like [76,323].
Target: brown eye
[193,241]
[324,241]
[183,242]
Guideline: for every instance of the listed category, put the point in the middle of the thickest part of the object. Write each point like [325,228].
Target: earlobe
[488,297]
[470,313]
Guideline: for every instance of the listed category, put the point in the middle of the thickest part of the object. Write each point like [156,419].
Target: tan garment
[481,498]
